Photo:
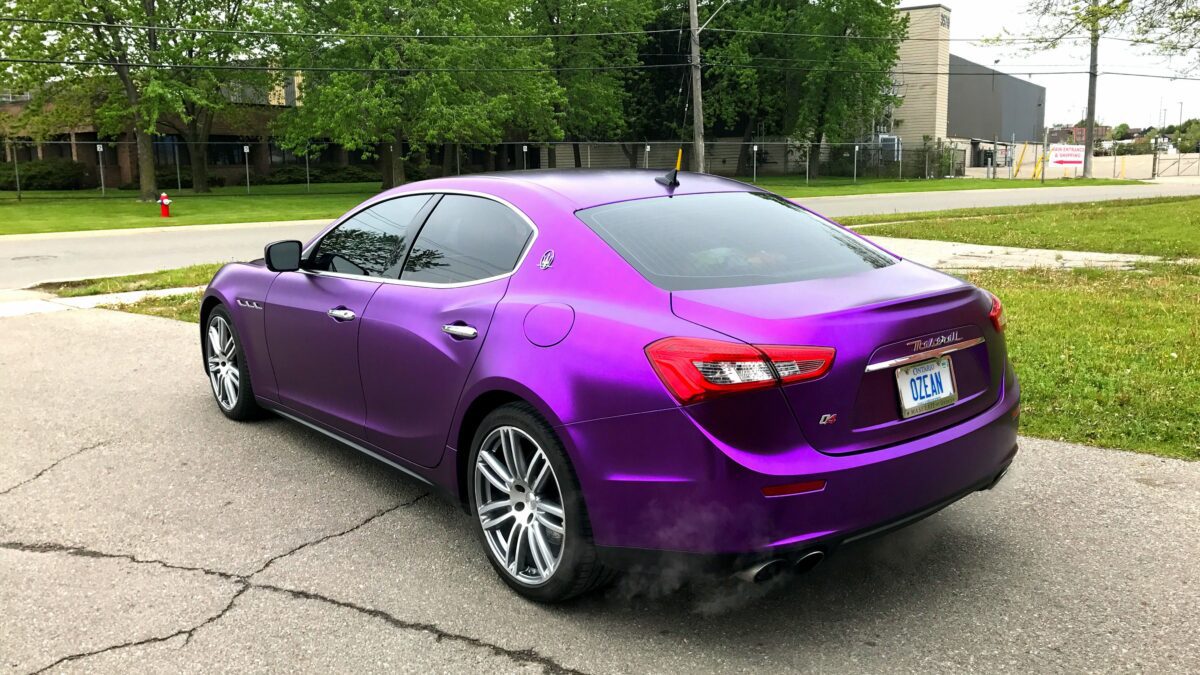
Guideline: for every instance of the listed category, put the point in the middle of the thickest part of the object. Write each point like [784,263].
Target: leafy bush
[45,174]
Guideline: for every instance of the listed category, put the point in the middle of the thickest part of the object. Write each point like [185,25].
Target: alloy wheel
[222,357]
[520,505]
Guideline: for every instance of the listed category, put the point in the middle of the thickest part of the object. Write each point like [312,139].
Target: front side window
[371,242]
[728,239]
[467,239]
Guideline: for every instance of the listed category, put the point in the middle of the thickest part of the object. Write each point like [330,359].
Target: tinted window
[728,239]
[372,241]
[466,239]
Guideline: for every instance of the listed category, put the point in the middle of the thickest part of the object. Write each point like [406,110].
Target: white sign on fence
[1066,155]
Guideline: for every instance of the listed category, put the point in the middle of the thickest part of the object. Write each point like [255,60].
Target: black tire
[244,406]
[579,570]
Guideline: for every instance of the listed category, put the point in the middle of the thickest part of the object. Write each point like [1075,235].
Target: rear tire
[226,367]
[528,508]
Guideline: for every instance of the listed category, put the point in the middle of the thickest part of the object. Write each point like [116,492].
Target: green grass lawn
[76,210]
[68,211]
[182,277]
[794,186]
[184,307]
[1106,358]
[1169,226]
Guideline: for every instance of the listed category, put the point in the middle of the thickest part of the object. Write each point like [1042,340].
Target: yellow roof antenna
[672,178]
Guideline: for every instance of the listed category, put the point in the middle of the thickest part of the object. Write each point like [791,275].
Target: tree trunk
[398,157]
[198,156]
[489,159]
[502,158]
[447,158]
[196,136]
[552,156]
[578,157]
[630,154]
[147,187]
[743,163]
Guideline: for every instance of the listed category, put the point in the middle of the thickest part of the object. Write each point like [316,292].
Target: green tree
[397,95]
[116,66]
[591,68]
[1121,132]
[797,68]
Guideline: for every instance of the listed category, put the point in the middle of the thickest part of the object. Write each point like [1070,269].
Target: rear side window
[728,239]
[371,242]
[467,239]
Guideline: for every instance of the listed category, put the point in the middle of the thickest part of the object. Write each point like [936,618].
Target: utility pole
[1090,132]
[697,99]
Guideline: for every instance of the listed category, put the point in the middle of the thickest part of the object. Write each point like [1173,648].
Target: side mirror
[283,256]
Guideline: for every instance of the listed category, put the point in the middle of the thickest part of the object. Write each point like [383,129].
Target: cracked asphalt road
[142,531]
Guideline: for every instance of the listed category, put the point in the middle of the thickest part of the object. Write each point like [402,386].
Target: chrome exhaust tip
[763,571]
[808,561]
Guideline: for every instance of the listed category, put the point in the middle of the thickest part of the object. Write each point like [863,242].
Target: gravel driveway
[140,530]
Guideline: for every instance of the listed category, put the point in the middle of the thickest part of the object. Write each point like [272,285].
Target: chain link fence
[59,169]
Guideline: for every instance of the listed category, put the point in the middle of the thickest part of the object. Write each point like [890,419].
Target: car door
[313,316]
[420,335]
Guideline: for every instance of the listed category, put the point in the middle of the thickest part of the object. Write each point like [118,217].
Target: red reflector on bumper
[793,488]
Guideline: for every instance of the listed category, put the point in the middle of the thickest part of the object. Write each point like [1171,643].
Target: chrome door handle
[340,314]
[460,331]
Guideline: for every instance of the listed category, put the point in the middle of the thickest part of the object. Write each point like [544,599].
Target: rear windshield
[728,239]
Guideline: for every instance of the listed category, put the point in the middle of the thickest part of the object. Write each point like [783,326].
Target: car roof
[585,188]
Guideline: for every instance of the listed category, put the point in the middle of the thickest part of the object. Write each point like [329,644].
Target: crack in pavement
[531,656]
[335,535]
[246,582]
[58,461]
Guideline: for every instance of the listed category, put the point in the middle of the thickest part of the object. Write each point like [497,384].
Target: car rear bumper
[672,485]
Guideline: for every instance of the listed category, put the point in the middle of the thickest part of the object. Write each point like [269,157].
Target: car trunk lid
[878,321]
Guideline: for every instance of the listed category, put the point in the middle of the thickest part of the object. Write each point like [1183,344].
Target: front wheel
[528,509]
[228,372]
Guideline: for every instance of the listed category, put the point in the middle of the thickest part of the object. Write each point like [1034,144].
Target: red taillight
[696,368]
[997,314]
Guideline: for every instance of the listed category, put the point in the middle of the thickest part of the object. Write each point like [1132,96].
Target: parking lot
[141,530]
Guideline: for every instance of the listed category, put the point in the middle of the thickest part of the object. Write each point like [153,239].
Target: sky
[1137,102]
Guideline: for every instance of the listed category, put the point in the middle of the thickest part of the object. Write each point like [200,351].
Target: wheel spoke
[542,558]
[214,364]
[546,523]
[230,348]
[214,342]
[552,509]
[536,481]
[230,391]
[491,523]
[493,471]
[510,446]
[235,375]
[516,541]
[492,506]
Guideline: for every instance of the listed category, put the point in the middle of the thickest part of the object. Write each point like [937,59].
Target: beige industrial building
[950,99]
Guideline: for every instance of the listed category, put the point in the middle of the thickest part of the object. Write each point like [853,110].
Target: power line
[332,69]
[995,41]
[384,36]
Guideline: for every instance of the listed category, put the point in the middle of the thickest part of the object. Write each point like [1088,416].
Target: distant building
[950,99]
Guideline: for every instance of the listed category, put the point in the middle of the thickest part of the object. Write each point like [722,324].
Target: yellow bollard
[1020,161]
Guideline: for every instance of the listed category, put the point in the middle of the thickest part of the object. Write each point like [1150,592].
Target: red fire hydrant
[164,208]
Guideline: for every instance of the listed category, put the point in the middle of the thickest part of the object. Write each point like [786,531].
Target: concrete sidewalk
[26,260]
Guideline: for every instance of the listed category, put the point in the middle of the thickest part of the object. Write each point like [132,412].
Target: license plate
[926,386]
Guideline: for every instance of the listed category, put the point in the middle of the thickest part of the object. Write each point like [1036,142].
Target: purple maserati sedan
[611,367]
